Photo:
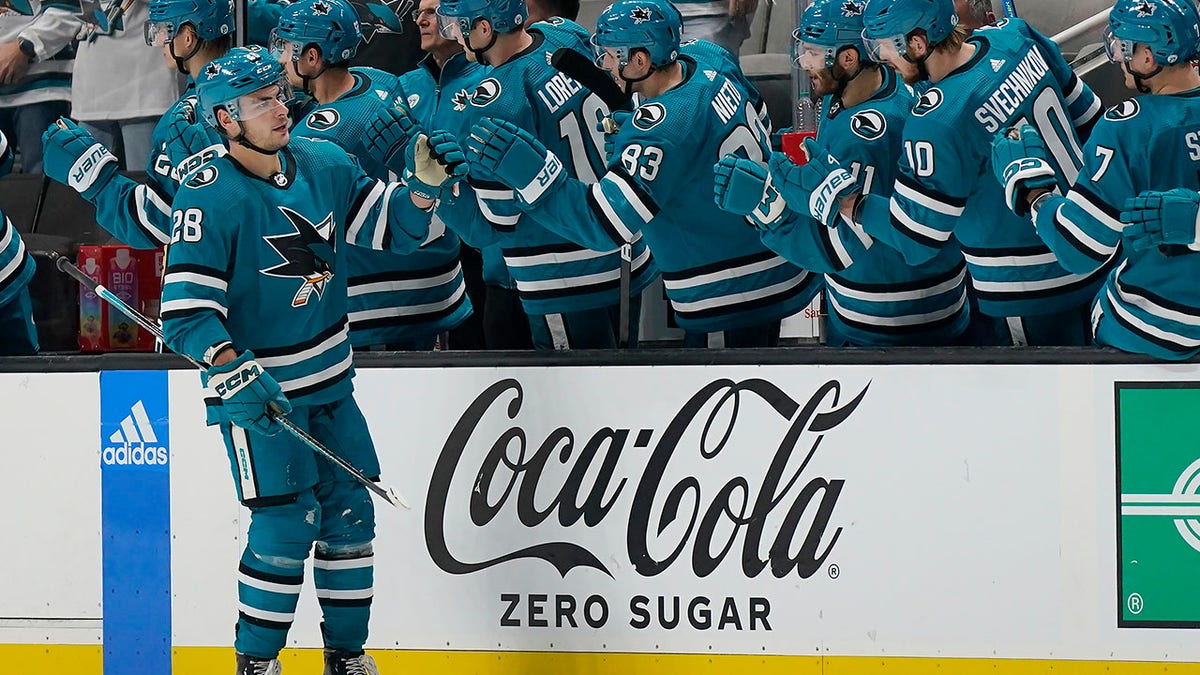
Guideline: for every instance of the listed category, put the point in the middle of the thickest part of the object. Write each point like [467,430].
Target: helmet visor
[158,33]
[452,27]
[1118,50]
[261,102]
[281,49]
[883,50]
[812,57]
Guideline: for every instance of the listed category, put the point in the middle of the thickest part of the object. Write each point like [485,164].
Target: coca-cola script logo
[741,505]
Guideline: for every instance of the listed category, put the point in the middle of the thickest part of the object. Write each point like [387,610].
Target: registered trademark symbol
[1135,603]
[834,571]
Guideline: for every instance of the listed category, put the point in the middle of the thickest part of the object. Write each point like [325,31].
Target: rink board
[902,518]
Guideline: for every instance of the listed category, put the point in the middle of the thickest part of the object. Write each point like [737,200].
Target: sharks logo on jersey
[413,100]
[321,120]
[460,99]
[1123,111]
[868,124]
[928,102]
[648,116]
[307,254]
[487,91]
[205,176]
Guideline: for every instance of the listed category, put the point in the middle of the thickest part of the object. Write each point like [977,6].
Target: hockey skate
[248,665]
[341,662]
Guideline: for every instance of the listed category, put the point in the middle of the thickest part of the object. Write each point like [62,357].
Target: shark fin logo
[487,91]
[307,253]
[868,124]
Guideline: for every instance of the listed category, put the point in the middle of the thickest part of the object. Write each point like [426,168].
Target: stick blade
[397,499]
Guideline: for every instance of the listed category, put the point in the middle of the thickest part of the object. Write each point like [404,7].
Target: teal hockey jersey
[717,274]
[262,263]
[394,299]
[1150,302]
[946,186]
[553,273]
[875,297]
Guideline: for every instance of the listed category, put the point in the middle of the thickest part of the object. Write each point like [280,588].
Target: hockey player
[18,335]
[191,33]
[1002,75]
[396,302]
[1150,303]
[255,287]
[875,298]
[719,277]
[570,293]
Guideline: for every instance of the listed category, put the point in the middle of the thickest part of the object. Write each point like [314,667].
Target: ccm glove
[744,187]
[818,186]
[1021,163]
[514,157]
[1156,218]
[435,162]
[72,156]
[388,135]
[246,391]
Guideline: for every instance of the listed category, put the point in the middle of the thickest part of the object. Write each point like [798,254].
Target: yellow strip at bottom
[88,660]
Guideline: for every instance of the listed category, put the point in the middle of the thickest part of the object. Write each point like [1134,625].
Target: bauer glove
[72,156]
[246,391]
[817,187]
[744,187]
[1021,163]
[1158,218]
[514,157]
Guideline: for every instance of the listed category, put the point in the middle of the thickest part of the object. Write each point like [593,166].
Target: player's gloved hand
[514,157]
[818,186]
[389,135]
[188,144]
[72,156]
[610,125]
[1158,218]
[745,187]
[435,162]
[246,389]
[1021,163]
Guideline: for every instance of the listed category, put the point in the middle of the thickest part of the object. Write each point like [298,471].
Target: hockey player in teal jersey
[396,302]
[18,336]
[570,293]
[718,275]
[255,286]
[1150,303]
[436,92]
[875,298]
[1001,75]
[190,33]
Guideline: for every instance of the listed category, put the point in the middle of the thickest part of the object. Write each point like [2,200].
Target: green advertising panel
[1158,521]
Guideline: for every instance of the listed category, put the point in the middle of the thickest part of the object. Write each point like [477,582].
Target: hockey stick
[581,69]
[389,494]
[1010,8]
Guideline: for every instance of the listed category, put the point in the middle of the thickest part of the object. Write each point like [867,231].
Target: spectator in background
[974,13]
[36,56]
[120,89]
[540,10]
[725,22]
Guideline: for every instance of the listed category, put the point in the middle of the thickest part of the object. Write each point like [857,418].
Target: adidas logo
[135,443]
[997,64]
[711,75]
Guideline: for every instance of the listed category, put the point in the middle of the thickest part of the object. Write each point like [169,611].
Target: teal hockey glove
[1158,218]
[514,157]
[1021,163]
[744,187]
[435,162]
[73,157]
[610,125]
[818,186]
[389,135]
[246,389]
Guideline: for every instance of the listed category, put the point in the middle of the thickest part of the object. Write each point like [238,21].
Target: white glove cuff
[543,180]
[86,168]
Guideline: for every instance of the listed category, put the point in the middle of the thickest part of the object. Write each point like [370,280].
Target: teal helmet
[331,26]
[628,25]
[888,23]
[242,71]
[461,16]
[210,19]
[826,28]
[1170,28]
